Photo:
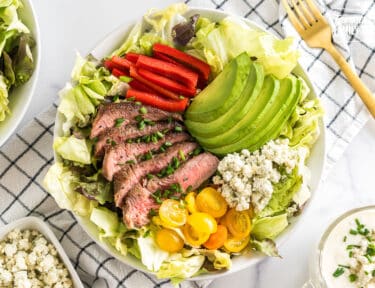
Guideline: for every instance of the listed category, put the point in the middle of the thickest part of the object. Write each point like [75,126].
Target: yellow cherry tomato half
[157,221]
[217,239]
[238,223]
[235,245]
[202,222]
[190,202]
[193,237]
[173,213]
[210,201]
[169,240]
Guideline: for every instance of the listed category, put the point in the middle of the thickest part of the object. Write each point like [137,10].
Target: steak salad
[185,147]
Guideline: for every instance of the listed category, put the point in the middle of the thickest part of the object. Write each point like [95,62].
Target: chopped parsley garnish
[143,110]
[115,98]
[130,162]
[119,121]
[182,155]
[339,271]
[125,79]
[353,278]
[152,212]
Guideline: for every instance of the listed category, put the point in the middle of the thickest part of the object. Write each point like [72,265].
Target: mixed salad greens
[76,181]
[16,60]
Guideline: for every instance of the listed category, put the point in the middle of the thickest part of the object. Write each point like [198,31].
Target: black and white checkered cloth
[25,158]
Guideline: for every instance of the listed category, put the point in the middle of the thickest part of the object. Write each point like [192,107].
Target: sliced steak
[130,174]
[138,202]
[192,173]
[108,114]
[115,135]
[137,207]
[115,157]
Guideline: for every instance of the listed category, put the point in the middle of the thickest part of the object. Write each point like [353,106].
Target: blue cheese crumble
[247,178]
[28,260]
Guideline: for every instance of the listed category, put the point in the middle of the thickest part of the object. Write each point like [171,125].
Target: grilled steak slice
[139,202]
[137,207]
[115,157]
[119,135]
[192,173]
[130,174]
[108,114]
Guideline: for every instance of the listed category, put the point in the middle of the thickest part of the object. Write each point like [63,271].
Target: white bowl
[315,163]
[20,97]
[34,223]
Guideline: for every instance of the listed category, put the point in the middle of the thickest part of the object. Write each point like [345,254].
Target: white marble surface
[70,25]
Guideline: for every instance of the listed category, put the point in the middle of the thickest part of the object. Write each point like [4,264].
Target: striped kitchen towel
[25,158]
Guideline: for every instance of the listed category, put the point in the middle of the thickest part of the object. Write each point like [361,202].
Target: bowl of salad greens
[19,62]
[184,152]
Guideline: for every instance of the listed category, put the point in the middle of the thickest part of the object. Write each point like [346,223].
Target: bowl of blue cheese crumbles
[31,257]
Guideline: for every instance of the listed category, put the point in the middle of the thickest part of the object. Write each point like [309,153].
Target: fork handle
[358,85]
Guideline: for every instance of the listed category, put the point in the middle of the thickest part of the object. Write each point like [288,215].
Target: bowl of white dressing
[345,255]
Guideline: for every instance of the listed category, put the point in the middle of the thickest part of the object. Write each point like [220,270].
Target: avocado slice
[221,94]
[269,126]
[246,126]
[237,112]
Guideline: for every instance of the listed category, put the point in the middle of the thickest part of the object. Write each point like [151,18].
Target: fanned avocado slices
[247,124]
[270,123]
[242,108]
[222,93]
[227,120]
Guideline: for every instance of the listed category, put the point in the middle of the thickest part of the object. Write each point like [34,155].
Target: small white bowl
[20,97]
[34,223]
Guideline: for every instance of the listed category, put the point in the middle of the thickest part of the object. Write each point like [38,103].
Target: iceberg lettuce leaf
[270,226]
[73,149]
[59,182]
[178,267]
[278,57]
[4,109]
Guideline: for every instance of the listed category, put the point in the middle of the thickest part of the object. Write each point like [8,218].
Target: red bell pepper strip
[121,63]
[165,58]
[186,59]
[108,64]
[134,74]
[118,73]
[175,72]
[132,57]
[135,84]
[157,101]
[167,83]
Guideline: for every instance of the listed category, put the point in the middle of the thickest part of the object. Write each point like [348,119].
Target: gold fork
[317,33]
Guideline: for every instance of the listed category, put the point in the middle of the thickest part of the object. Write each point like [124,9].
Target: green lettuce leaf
[269,227]
[73,149]
[151,255]
[4,109]
[178,267]
[266,246]
[159,25]
[59,182]
[283,193]
[302,128]
[219,259]
[95,187]
[279,57]
[23,60]
[107,221]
